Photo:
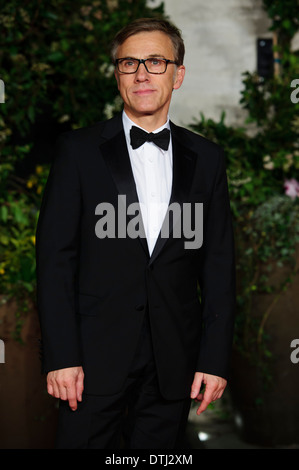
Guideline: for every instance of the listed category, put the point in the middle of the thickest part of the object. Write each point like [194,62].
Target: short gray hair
[149,25]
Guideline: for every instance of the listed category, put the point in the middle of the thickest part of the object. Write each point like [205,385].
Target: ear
[179,77]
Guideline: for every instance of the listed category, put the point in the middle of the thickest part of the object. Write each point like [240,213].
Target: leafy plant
[55,63]
[262,160]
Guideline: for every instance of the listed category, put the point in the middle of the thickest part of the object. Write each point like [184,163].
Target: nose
[142,74]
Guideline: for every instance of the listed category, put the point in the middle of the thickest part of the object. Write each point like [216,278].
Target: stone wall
[220,38]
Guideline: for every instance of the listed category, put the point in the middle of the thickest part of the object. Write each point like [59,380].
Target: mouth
[143,92]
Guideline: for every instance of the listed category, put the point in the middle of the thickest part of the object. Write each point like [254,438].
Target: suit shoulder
[81,134]
[93,133]
[196,141]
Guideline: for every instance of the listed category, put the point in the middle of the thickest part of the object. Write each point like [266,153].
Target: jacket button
[139,308]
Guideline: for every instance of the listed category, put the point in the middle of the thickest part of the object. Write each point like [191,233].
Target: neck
[148,122]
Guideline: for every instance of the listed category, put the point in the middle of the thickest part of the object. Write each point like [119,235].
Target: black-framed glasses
[153,65]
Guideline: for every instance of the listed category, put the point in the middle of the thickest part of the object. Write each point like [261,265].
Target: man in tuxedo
[136,317]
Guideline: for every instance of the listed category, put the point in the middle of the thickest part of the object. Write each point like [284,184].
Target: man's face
[143,93]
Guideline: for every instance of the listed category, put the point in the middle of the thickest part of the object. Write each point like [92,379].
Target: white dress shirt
[152,170]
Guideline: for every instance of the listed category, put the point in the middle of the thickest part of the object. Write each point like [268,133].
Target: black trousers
[136,418]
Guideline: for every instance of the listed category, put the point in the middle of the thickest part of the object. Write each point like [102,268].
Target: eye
[128,62]
[156,62]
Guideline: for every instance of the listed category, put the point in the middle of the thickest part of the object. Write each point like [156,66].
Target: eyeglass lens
[153,65]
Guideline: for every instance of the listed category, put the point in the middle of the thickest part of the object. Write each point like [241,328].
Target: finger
[203,406]
[71,395]
[56,392]
[80,387]
[199,397]
[212,394]
[219,395]
[63,393]
[50,389]
[196,385]
[72,399]
[207,399]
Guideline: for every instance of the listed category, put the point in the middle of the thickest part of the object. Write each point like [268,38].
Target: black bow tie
[138,137]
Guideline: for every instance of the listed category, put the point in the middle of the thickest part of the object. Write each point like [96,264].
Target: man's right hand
[66,384]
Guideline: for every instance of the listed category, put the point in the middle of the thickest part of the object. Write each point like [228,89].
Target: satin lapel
[116,156]
[183,170]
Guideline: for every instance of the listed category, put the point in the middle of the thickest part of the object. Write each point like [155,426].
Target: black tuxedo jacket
[92,293]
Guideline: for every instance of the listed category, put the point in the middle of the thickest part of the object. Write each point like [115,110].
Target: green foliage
[18,217]
[285,19]
[55,57]
[249,183]
[55,62]
[261,156]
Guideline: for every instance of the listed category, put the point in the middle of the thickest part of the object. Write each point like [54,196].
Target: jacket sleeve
[217,279]
[57,246]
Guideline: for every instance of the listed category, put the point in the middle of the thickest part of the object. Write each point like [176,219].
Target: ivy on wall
[55,64]
[263,173]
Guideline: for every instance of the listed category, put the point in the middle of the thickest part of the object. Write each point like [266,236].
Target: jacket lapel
[115,153]
[183,170]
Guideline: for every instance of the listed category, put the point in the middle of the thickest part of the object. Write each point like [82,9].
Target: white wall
[220,38]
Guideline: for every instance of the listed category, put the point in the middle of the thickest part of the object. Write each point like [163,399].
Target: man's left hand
[214,388]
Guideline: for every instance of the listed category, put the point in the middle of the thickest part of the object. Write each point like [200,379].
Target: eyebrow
[150,56]
[161,56]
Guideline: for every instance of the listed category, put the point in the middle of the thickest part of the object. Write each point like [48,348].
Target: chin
[144,111]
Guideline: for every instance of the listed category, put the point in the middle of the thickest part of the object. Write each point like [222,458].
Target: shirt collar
[128,123]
